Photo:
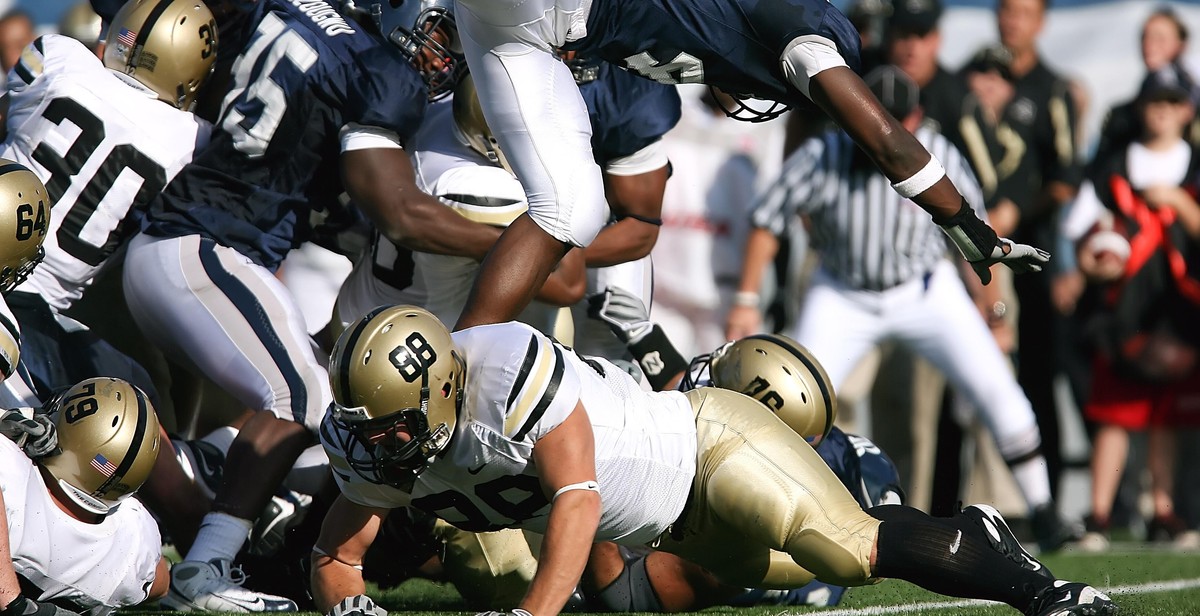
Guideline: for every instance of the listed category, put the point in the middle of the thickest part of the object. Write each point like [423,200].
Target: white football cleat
[1072,599]
[216,586]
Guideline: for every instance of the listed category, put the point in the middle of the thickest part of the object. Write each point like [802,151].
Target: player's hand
[24,606]
[1020,258]
[981,247]
[743,321]
[358,605]
[516,612]
[625,314]
[36,436]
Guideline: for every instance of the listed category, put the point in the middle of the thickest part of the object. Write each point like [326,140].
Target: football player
[24,215]
[454,159]
[105,137]
[498,426]
[319,105]
[790,51]
[72,540]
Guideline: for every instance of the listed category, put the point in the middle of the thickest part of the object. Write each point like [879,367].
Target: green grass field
[1143,581]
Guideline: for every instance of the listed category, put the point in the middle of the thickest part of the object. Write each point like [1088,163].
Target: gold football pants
[765,510]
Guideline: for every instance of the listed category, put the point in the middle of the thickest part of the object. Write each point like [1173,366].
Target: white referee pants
[936,320]
[209,305]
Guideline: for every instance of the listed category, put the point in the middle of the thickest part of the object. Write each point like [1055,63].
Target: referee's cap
[896,91]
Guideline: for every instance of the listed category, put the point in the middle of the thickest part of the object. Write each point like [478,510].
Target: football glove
[33,432]
[625,314]
[358,605]
[24,606]
[981,247]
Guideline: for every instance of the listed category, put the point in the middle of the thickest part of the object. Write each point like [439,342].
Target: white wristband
[922,180]
[583,485]
[748,299]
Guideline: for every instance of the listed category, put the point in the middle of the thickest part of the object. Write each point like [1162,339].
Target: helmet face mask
[398,384]
[108,432]
[429,41]
[168,46]
[783,375]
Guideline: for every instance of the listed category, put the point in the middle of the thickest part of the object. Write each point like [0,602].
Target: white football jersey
[98,566]
[103,145]
[464,180]
[519,386]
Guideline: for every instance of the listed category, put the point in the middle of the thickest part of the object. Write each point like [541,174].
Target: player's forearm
[567,284]
[428,226]
[570,531]
[333,581]
[761,247]
[626,240]
[9,586]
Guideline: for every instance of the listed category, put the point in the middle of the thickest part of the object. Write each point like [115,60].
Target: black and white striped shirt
[868,236]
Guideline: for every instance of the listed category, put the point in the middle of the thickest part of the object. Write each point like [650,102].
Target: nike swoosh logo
[475,471]
[957,542]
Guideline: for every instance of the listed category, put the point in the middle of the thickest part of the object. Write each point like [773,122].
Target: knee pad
[631,591]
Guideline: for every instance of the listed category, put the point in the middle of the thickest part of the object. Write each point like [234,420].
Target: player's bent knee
[576,224]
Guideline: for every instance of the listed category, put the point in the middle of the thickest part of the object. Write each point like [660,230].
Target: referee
[884,275]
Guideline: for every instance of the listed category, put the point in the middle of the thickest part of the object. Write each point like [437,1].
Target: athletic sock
[220,537]
[1033,479]
[951,558]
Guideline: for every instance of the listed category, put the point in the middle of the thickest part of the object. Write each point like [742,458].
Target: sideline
[882,610]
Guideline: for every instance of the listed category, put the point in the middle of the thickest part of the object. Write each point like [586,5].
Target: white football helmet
[108,432]
[396,367]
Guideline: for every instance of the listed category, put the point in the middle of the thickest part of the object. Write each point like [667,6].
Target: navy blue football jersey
[627,112]
[867,472]
[304,74]
[732,44]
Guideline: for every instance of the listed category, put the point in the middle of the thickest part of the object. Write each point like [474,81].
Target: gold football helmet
[24,218]
[169,46]
[396,367]
[81,23]
[108,433]
[469,120]
[781,374]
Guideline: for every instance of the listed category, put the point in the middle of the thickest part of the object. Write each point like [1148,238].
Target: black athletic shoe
[1001,538]
[1071,599]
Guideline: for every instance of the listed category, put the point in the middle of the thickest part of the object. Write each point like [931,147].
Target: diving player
[790,51]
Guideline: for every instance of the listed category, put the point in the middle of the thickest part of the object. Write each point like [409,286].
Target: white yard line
[882,610]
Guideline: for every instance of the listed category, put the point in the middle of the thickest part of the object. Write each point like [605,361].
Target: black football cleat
[1001,538]
[1071,599]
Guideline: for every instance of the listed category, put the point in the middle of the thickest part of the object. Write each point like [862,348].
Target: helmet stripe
[135,444]
[9,168]
[148,25]
[347,357]
[813,367]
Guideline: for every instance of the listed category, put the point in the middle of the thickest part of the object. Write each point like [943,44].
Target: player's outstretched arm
[915,174]
[745,316]
[346,533]
[382,183]
[566,459]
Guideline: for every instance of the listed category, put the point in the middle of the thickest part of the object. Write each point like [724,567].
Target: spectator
[16,32]
[1143,299]
[1164,40]
[1043,115]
